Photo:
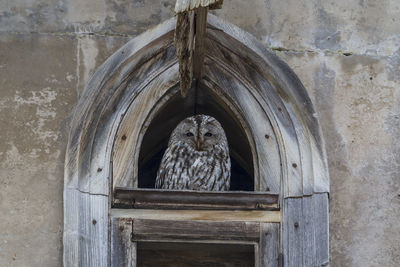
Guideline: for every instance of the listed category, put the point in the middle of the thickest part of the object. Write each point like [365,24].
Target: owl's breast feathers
[184,168]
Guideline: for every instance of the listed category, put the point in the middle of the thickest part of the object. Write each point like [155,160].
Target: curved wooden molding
[252,83]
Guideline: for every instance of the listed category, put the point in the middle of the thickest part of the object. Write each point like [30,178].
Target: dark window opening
[151,254]
[155,140]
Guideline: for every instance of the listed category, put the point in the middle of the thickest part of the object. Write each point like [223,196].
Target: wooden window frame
[230,217]
[301,179]
[258,228]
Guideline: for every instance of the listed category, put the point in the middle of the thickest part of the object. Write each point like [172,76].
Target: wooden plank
[123,250]
[198,57]
[303,182]
[293,232]
[306,231]
[309,245]
[321,226]
[199,215]
[83,228]
[142,198]
[269,244]
[184,43]
[163,230]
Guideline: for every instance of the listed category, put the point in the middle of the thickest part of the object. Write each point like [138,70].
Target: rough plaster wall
[347,53]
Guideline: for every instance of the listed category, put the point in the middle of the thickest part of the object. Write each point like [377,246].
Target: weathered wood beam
[198,57]
[182,199]
[200,215]
[190,33]
[184,44]
[165,230]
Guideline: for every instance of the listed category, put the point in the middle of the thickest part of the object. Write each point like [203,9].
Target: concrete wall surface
[347,54]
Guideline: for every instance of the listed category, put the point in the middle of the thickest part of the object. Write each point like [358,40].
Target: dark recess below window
[152,254]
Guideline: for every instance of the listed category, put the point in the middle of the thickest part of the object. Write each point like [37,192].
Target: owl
[197,157]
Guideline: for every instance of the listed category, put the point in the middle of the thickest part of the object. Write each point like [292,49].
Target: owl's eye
[189,134]
[208,134]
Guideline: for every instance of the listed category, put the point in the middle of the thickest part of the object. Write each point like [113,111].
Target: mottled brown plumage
[197,157]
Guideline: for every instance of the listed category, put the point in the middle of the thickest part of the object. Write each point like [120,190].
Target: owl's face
[200,132]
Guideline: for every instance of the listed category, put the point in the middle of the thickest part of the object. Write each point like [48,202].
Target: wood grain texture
[269,244]
[163,230]
[293,232]
[184,39]
[321,229]
[309,236]
[199,215]
[123,250]
[264,236]
[142,198]
[199,50]
[306,231]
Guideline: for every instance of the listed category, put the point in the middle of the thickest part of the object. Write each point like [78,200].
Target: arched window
[121,127]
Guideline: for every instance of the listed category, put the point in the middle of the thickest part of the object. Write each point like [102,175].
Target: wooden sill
[185,199]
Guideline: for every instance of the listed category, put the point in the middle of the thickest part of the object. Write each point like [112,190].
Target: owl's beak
[198,145]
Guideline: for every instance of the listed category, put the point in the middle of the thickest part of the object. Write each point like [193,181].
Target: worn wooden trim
[157,230]
[305,237]
[184,43]
[199,215]
[269,246]
[126,232]
[123,250]
[153,198]
[201,27]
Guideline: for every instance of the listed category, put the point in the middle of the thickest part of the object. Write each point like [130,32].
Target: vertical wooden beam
[201,27]
[321,226]
[269,244]
[309,248]
[306,230]
[184,43]
[293,232]
[123,250]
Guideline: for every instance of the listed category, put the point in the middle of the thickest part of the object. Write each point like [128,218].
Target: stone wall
[347,54]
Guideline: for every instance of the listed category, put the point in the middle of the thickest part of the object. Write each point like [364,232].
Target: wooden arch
[254,85]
